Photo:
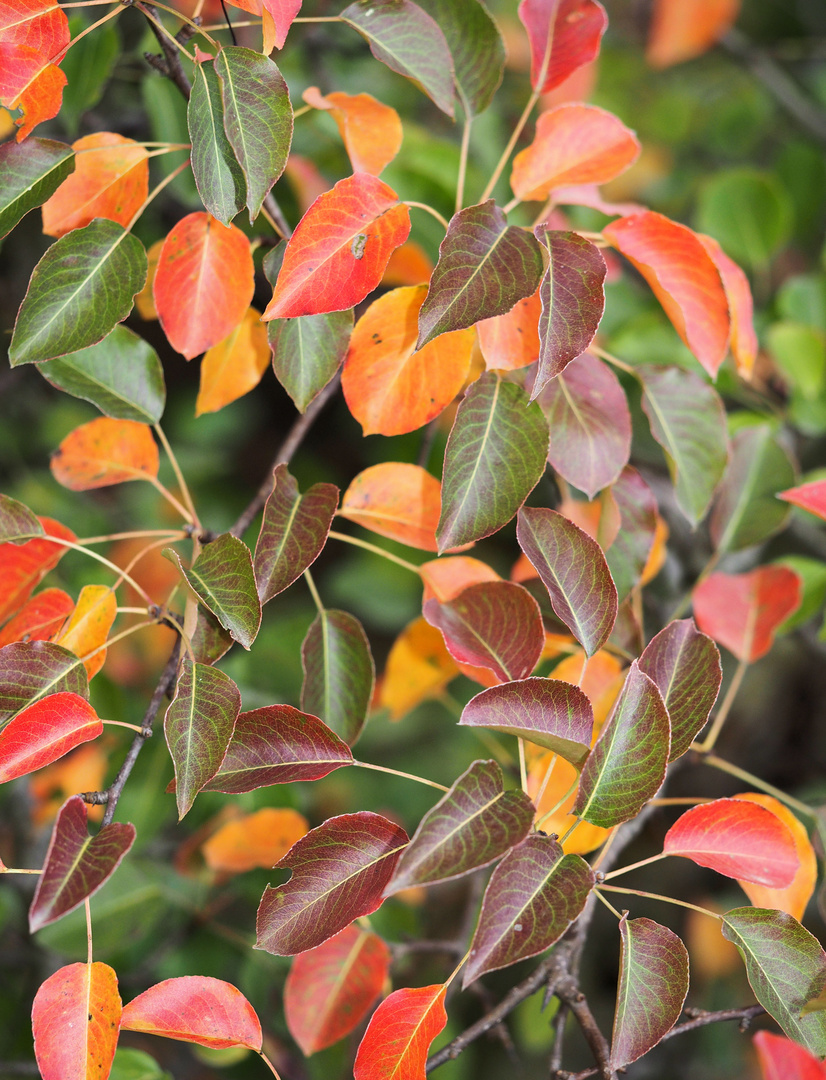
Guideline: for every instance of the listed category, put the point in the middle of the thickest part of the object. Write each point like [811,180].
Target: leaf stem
[88,908]
[523,768]
[118,8]
[375,549]
[156,190]
[658,896]
[123,575]
[263,1056]
[138,534]
[179,476]
[121,723]
[302,111]
[170,498]
[722,713]
[403,775]
[686,600]
[546,779]
[111,641]
[749,778]
[314,592]
[17,870]
[570,829]
[198,29]
[635,866]
[456,970]
[603,355]
[463,156]
[433,213]
[610,907]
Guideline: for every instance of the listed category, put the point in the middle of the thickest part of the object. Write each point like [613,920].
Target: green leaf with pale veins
[485,266]
[17,522]
[218,176]
[405,38]
[31,670]
[83,286]
[258,118]
[495,457]
[121,375]
[476,47]
[30,172]
[338,673]
[223,579]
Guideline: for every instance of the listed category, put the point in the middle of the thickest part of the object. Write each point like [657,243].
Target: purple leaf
[338,673]
[496,624]
[339,872]
[572,298]
[533,896]
[547,712]
[278,745]
[653,984]
[210,641]
[18,524]
[574,571]
[685,665]
[293,532]
[470,826]
[485,266]
[307,351]
[628,554]
[76,864]
[198,727]
[627,764]
[494,423]
[31,670]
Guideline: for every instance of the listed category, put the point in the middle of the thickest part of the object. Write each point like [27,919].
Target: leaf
[293,532]
[23,566]
[445,578]
[736,838]
[197,1009]
[574,144]
[746,511]
[39,618]
[210,641]
[278,745]
[110,180]
[627,764]
[405,38]
[590,423]
[235,365]
[688,421]
[218,176]
[653,984]
[392,387]
[685,665]
[683,29]
[88,626]
[476,47]
[258,119]
[418,667]
[471,826]
[198,727]
[494,423]
[573,570]
[29,173]
[30,83]
[44,731]
[105,452]
[223,579]
[573,28]
[338,673]
[83,286]
[511,341]
[372,132]
[640,525]
[339,249]
[743,342]
[782,1059]
[400,1034]
[76,864]
[743,611]
[485,266]
[121,375]
[75,1019]
[683,277]
[308,351]
[811,497]
[254,840]
[32,670]
[545,712]
[786,968]
[17,522]
[397,500]
[38,24]
[339,873]
[203,283]
[330,988]
[533,896]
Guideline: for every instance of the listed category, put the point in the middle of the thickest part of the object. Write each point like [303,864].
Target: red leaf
[198,1009]
[40,25]
[737,838]
[203,284]
[29,83]
[811,497]
[340,248]
[782,1059]
[741,307]
[399,1035]
[75,1020]
[22,566]
[577,27]
[283,12]
[44,732]
[682,29]
[39,618]
[743,611]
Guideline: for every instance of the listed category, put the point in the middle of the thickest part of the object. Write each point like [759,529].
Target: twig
[173,69]
[699,1018]
[569,993]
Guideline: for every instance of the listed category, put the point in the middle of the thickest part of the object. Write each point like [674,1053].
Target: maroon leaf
[17,523]
[210,641]
[76,864]
[532,898]
[496,624]
[574,27]
[44,732]
[470,826]
[339,872]
[338,673]
[628,555]
[547,712]
[31,670]
[197,1009]
[574,571]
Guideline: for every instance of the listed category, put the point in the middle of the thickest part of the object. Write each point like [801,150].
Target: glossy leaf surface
[75,1019]
[29,173]
[400,1033]
[575,29]
[338,673]
[397,500]
[743,611]
[104,452]
[218,176]
[32,670]
[197,1009]
[44,732]
[476,47]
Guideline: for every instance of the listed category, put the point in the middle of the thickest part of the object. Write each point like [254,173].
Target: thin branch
[568,991]
[173,69]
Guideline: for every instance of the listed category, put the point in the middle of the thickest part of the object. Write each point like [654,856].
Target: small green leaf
[338,673]
[748,212]
[218,175]
[88,66]
[30,172]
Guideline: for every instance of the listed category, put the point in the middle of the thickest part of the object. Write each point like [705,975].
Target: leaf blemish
[358,245]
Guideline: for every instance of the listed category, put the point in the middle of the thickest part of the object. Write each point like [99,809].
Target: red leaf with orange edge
[39,618]
[575,29]
[89,626]
[782,1059]
[511,341]
[683,29]
[30,83]
[372,132]
[743,611]
[22,566]
[399,1034]
[743,342]
[683,277]
[197,1009]
[104,452]
[397,500]
[75,1020]
[811,497]
[44,732]
[795,897]
[203,283]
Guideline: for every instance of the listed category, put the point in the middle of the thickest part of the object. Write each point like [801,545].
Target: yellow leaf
[260,839]
[418,667]
[234,366]
[794,898]
[89,625]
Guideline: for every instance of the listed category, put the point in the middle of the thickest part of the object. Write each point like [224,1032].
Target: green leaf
[218,175]
[494,423]
[800,351]
[132,1064]
[476,47]
[83,286]
[32,670]
[17,522]
[122,375]
[88,66]
[30,172]
[748,212]
[338,673]
[258,118]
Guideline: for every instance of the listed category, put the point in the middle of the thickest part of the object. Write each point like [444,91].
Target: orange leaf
[104,452]
[656,556]
[340,248]
[111,180]
[145,300]
[418,667]
[683,277]
[23,566]
[40,25]
[75,1019]
[743,611]
[390,387]
[399,1035]
[741,307]
[682,29]
[794,898]
[203,284]
[408,265]
[40,617]
[89,626]
[511,341]
[44,732]
[601,683]
[259,839]
[235,366]
[586,836]
[372,132]
[445,578]
[396,500]
[30,83]
[574,144]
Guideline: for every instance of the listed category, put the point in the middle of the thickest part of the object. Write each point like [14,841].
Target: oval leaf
[399,1034]
[218,176]
[32,670]
[234,366]
[396,500]
[44,732]
[418,667]
[17,522]
[511,341]
[29,173]
[572,28]
[75,1019]
[743,611]
[308,351]
[338,673]
[104,452]
[372,132]
[40,618]
[476,47]
[197,1009]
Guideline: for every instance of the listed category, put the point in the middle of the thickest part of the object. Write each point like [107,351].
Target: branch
[172,67]
[570,994]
